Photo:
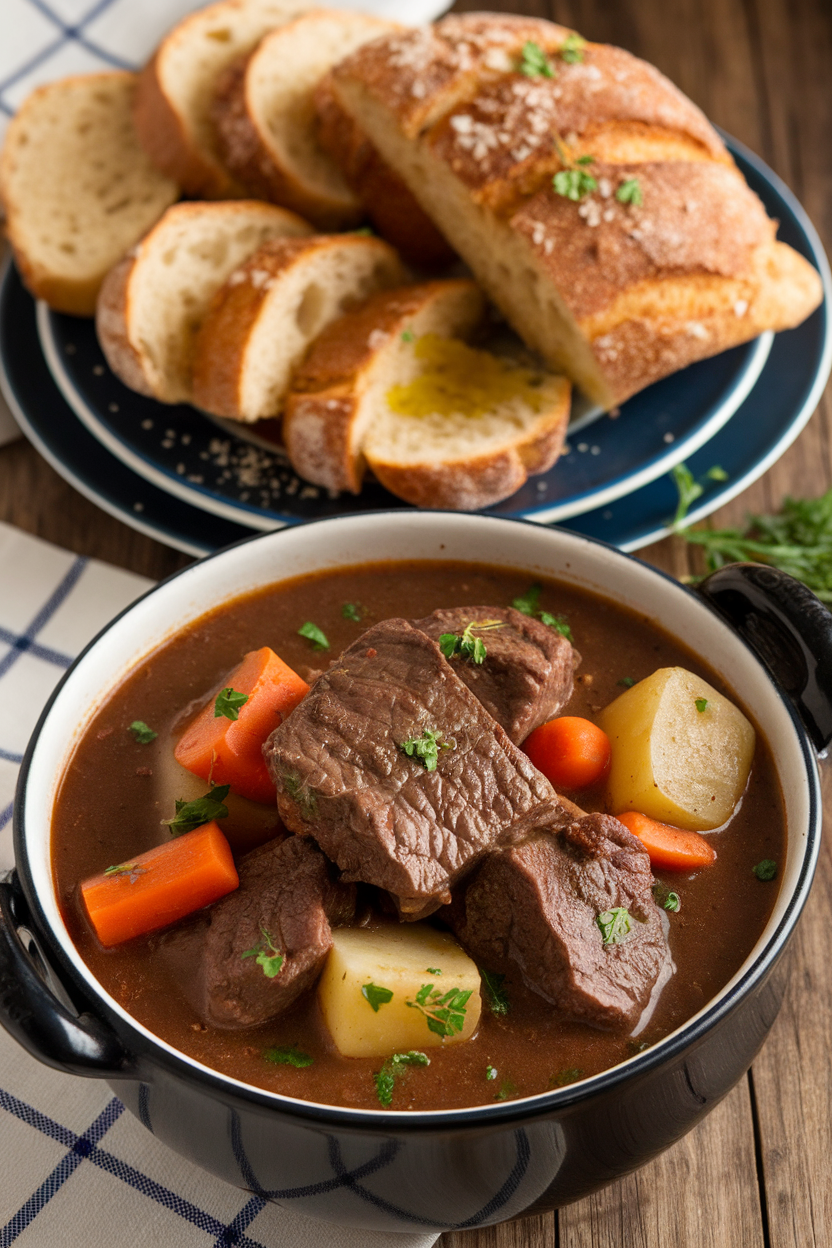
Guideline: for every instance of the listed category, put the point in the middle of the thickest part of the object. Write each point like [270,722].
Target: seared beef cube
[526,676]
[535,908]
[286,904]
[343,777]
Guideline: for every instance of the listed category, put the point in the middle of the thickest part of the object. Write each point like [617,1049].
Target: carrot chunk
[670,849]
[571,752]
[160,886]
[230,751]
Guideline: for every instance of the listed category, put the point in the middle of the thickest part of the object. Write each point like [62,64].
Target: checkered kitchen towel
[76,1169]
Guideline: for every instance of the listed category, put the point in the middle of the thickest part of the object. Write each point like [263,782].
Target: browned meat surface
[534,907]
[342,776]
[527,674]
[287,899]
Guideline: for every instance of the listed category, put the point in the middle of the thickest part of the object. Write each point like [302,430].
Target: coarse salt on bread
[77,187]
[265,119]
[272,307]
[176,89]
[152,302]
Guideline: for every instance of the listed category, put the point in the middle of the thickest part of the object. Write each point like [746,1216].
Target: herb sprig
[527,604]
[572,49]
[533,61]
[131,869]
[267,954]
[376,996]
[444,1011]
[614,925]
[228,702]
[312,633]
[385,1079]
[425,749]
[496,997]
[142,733]
[191,815]
[630,192]
[465,644]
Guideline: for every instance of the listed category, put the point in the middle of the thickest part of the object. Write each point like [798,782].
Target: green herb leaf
[701,705]
[491,1072]
[533,62]
[672,902]
[141,732]
[314,634]
[630,192]
[614,925]
[465,644]
[351,611]
[567,1076]
[638,1046]
[288,1056]
[527,603]
[228,702]
[267,954]
[190,815]
[689,490]
[626,681]
[127,868]
[425,749]
[444,1012]
[507,1089]
[433,970]
[585,160]
[408,335]
[557,622]
[664,898]
[385,1079]
[496,997]
[766,870]
[572,49]
[574,184]
[376,996]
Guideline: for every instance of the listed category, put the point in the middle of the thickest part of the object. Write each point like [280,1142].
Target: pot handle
[789,629]
[32,1013]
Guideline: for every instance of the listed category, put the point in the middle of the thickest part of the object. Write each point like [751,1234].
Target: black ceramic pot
[766,636]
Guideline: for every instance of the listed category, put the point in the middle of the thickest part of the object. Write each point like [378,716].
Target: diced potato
[672,761]
[398,959]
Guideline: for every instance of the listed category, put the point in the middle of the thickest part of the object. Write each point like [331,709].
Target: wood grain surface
[757,1171]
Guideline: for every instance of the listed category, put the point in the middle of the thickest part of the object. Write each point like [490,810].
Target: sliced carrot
[571,752]
[230,751]
[160,886]
[670,849]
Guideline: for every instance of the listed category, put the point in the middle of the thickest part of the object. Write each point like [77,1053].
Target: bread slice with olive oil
[153,301]
[395,387]
[270,309]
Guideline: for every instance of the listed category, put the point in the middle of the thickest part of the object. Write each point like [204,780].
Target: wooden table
[757,1171]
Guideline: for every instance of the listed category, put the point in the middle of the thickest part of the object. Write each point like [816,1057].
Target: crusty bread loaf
[176,88]
[593,201]
[152,302]
[77,188]
[271,308]
[394,386]
[265,120]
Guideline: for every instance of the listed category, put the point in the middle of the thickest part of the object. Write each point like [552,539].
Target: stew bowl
[765,635]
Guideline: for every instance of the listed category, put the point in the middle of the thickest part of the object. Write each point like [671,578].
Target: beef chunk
[342,775]
[527,674]
[534,907]
[286,891]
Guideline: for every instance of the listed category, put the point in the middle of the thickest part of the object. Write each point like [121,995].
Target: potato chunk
[389,967]
[681,752]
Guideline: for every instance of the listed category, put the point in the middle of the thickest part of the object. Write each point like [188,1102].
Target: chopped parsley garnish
[574,184]
[408,335]
[557,622]
[496,997]
[626,681]
[314,634]
[491,1072]
[288,1055]
[127,868]
[385,1079]
[445,1012]
[190,815]
[672,902]
[507,1089]
[614,925]
[527,604]
[376,996]
[689,490]
[351,611]
[228,702]
[465,644]
[572,49]
[567,1076]
[267,954]
[143,734]
[765,870]
[630,192]
[432,970]
[305,797]
[701,705]
[664,898]
[425,749]
[533,62]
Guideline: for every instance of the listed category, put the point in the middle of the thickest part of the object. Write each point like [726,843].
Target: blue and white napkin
[76,1169]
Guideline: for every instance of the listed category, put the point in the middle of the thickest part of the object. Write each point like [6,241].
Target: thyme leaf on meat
[425,749]
[533,61]
[267,954]
[376,996]
[351,611]
[228,703]
[132,869]
[385,1079]
[630,192]
[288,1055]
[305,797]
[312,633]
[765,870]
[614,925]
[445,1012]
[143,734]
[465,644]
[701,705]
[572,49]
[496,997]
[191,815]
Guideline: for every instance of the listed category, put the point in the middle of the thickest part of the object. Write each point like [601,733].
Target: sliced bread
[153,301]
[265,119]
[77,187]
[176,88]
[272,307]
[394,387]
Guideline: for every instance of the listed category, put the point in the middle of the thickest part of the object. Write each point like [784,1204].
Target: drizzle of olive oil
[460,380]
